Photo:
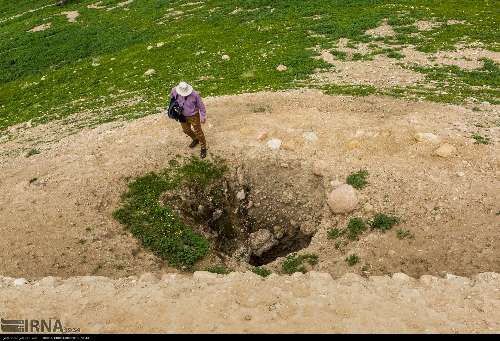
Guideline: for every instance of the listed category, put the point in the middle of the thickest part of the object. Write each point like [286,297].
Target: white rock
[335,183]
[368,208]
[19,282]
[241,195]
[261,241]
[160,44]
[149,47]
[274,144]
[310,136]
[150,72]
[225,57]
[281,68]
[427,137]
[343,199]
[445,150]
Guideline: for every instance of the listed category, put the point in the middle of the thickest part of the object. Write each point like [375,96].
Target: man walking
[194,111]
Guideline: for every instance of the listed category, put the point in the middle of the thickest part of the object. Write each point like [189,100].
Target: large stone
[427,137]
[274,144]
[261,241]
[343,199]
[320,168]
[446,150]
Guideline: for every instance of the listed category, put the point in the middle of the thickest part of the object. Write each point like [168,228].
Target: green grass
[404,234]
[350,90]
[159,228]
[261,271]
[355,227]
[383,222]
[295,263]
[32,152]
[218,269]
[358,179]
[352,260]
[334,233]
[481,139]
[99,61]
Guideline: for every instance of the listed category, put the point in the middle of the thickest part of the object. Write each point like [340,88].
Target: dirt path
[55,207]
[243,302]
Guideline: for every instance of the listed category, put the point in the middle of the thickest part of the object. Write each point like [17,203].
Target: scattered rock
[343,199]
[309,228]
[445,150]
[281,68]
[217,214]
[335,183]
[225,57]
[274,144]
[368,208]
[278,231]
[150,47]
[261,241]
[150,72]
[427,137]
[71,15]
[160,44]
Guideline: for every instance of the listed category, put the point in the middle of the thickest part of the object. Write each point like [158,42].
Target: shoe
[194,143]
[203,153]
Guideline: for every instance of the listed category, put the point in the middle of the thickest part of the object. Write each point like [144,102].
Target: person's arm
[201,108]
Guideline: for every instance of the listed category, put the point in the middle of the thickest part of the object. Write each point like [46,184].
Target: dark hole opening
[286,246]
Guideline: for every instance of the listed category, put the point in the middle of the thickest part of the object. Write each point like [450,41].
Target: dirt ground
[56,206]
[245,303]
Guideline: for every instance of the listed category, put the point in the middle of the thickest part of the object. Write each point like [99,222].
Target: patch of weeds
[295,263]
[355,227]
[360,56]
[383,222]
[81,241]
[261,108]
[476,109]
[157,226]
[481,139]
[261,271]
[334,233]
[218,269]
[338,244]
[340,55]
[119,267]
[32,152]
[352,260]
[358,179]
[395,54]
[403,234]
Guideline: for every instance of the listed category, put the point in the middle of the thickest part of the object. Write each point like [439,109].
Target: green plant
[355,227]
[334,233]
[157,226]
[383,222]
[481,139]
[358,179]
[402,234]
[261,271]
[218,269]
[32,152]
[352,260]
[295,263]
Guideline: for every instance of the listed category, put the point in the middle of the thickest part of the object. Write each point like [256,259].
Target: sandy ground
[56,206]
[245,303]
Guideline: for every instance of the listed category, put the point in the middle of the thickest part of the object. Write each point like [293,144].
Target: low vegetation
[352,260]
[358,179]
[383,222]
[296,263]
[218,269]
[261,271]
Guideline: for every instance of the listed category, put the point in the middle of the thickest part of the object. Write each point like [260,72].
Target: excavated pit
[255,213]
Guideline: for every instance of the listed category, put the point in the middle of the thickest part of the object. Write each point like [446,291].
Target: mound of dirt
[244,302]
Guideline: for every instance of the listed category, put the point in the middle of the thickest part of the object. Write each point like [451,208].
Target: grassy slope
[50,74]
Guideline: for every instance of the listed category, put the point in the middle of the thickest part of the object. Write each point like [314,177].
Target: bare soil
[56,206]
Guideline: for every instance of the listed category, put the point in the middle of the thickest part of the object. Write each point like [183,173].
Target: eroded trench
[256,212]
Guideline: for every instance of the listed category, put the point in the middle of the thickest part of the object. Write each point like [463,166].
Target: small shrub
[352,260]
[358,179]
[295,263]
[355,227]
[395,54]
[402,234]
[334,233]
[218,269]
[263,272]
[32,152]
[481,139]
[383,222]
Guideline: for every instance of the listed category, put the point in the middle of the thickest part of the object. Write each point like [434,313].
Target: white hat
[184,89]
